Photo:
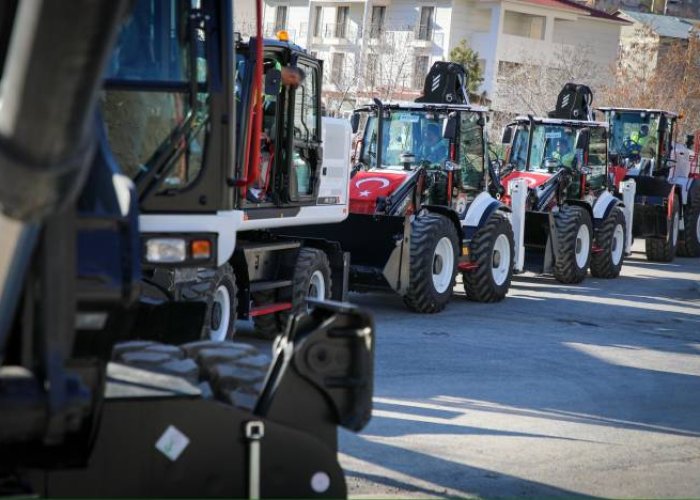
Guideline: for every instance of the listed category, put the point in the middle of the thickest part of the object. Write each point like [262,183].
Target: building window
[280,18]
[425,23]
[378,12]
[525,25]
[341,21]
[371,70]
[420,71]
[337,67]
[318,20]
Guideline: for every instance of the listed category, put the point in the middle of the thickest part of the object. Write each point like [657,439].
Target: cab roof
[561,121]
[640,110]
[419,106]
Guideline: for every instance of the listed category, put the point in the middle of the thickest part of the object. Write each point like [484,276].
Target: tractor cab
[640,141]
[290,142]
[437,142]
[441,146]
[565,152]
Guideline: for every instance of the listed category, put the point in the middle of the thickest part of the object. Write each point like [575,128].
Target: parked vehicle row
[210,188]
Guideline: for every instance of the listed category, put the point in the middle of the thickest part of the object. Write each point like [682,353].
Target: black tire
[311,264]
[607,262]
[231,372]
[689,244]
[426,232]
[481,285]
[568,221]
[268,326]
[223,280]
[664,249]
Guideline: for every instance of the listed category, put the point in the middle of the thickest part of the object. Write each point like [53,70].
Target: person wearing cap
[563,154]
[434,149]
[644,140]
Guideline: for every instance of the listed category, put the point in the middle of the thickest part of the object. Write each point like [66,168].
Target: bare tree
[385,70]
[343,79]
[394,51]
[672,83]
[532,86]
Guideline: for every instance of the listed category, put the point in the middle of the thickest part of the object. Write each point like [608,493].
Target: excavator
[80,416]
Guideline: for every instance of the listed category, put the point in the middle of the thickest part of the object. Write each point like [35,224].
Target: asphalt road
[559,390]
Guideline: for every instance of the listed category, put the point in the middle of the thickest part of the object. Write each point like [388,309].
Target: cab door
[302,164]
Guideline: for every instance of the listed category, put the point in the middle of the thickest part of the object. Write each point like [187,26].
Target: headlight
[164,250]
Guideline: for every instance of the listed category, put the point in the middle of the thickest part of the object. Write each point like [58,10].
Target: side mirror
[355,122]
[273,81]
[449,126]
[582,139]
[507,135]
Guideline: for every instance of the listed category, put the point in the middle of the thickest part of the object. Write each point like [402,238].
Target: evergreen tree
[464,55]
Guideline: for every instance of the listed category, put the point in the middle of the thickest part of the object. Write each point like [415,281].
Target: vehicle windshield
[552,146]
[147,105]
[413,136]
[633,134]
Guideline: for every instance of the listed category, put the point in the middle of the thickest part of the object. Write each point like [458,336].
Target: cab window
[151,118]
[597,157]
[471,150]
[305,159]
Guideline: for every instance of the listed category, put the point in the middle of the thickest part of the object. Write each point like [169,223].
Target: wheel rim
[618,243]
[676,224]
[500,259]
[697,228]
[317,286]
[220,314]
[583,244]
[443,264]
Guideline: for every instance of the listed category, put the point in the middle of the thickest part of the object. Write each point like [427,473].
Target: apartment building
[647,38]
[386,47]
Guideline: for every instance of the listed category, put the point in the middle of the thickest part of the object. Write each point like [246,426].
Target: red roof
[558,4]
[571,5]
[594,12]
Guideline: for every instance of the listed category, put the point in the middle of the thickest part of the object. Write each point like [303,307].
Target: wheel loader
[667,201]
[556,174]
[423,199]
[79,414]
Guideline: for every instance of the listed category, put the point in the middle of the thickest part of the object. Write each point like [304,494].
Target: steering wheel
[631,148]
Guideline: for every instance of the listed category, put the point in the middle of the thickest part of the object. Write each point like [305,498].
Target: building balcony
[426,36]
[338,34]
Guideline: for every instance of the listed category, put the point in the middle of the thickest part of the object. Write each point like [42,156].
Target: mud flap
[551,247]
[397,268]
[628,189]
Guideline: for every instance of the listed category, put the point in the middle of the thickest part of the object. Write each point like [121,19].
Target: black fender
[583,204]
[240,270]
[450,214]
